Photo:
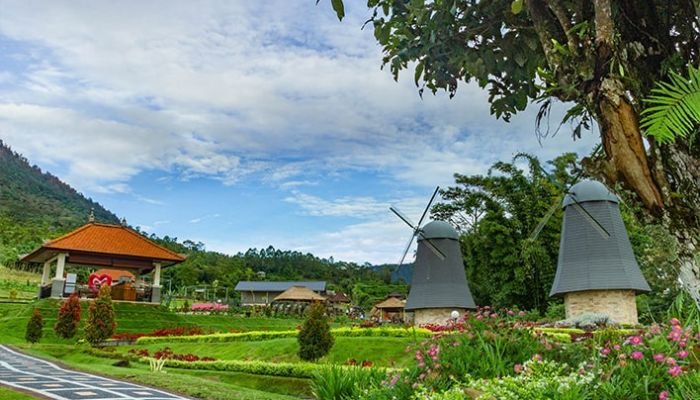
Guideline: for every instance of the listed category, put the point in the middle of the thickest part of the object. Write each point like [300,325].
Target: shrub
[13,294]
[101,322]
[68,317]
[315,339]
[341,383]
[34,327]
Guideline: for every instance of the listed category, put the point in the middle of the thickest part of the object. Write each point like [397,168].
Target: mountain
[35,206]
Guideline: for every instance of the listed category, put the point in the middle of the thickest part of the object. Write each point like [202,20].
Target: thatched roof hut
[299,293]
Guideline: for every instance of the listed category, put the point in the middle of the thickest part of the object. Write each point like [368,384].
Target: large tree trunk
[664,180]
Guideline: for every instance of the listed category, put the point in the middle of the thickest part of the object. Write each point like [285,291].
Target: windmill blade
[591,220]
[427,208]
[536,232]
[433,248]
[404,218]
[408,247]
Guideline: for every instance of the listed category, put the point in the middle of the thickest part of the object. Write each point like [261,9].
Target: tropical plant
[35,327]
[68,317]
[101,321]
[315,339]
[343,383]
[673,109]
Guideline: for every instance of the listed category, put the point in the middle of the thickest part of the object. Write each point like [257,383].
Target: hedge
[267,335]
[290,370]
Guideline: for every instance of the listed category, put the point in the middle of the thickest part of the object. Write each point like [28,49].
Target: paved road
[49,380]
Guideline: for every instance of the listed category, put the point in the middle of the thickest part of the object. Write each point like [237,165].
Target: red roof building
[102,245]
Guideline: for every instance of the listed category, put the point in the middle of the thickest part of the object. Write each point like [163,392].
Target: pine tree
[315,339]
[101,321]
[35,327]
[68,317]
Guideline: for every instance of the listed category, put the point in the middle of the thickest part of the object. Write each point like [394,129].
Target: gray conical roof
[587,259]
[588,191]
[439,283]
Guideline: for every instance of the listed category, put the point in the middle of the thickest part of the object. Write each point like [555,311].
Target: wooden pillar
[156,274]
[60,265]
[46,273]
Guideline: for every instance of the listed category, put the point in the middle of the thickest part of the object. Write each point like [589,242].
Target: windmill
[596,269]
[439,284]
[417,230]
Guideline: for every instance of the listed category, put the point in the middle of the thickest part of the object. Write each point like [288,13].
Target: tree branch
[565,22]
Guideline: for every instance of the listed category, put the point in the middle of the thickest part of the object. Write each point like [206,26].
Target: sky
[243,124]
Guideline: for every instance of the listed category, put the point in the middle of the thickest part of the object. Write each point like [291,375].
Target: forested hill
[35,206]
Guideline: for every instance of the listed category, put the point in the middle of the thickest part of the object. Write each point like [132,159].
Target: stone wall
[439,316]
[619,305]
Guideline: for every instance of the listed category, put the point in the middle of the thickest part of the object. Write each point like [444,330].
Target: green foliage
[68,317]
[673,108]
[341,383]
[255,336]
[35,327]
[101,322]
[315,339]
[497,214]
[366,294]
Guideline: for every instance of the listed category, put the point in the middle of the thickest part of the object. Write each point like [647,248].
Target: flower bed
[209,307]
[496,357]
[267,335]
[168,354]
[163,332]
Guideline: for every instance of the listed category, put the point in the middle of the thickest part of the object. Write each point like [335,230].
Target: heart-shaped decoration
[95,281]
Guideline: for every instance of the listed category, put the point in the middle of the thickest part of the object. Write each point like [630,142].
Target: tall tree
[496,215]
[602,56]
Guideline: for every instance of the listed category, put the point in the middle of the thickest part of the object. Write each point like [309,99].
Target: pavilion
[96,245]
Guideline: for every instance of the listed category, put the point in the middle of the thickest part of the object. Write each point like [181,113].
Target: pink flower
[674,321]
[635,340]
[675,371]
[616,347]
[511,312]
[637,355]
[518,368]
[521,313]
[659,357]
[663,395]
[671,361]
[682,354]
[655,330]
[537,357]
[605,351]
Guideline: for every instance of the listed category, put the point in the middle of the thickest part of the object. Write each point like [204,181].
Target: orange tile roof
[111,239]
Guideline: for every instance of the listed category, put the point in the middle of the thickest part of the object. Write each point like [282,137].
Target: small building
[339,302]
[596,271]
[258,293]
[299,294]
[391,309]
[94,245]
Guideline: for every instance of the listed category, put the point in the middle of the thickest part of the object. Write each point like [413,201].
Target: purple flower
[635,340]
[663,395]
[659,357]
[637,355]
[682,354]
[675,371]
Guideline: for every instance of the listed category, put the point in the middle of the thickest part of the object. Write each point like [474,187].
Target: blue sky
[241,124]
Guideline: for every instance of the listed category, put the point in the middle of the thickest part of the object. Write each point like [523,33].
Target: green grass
[131,318]
[206,385]
[24,283]
[10,394]
[382,351]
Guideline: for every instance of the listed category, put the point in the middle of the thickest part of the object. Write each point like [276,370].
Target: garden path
[48,380]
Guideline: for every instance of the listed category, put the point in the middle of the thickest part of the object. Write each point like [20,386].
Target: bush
[315,339]
[101,322]
[341,383]
[68,317]
[34,327]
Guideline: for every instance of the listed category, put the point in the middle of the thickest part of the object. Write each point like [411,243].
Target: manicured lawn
[206,385]
[131,318]
[382,351]
[9,394]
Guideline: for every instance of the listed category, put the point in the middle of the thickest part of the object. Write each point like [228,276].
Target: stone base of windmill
[619,305]
[439,316]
